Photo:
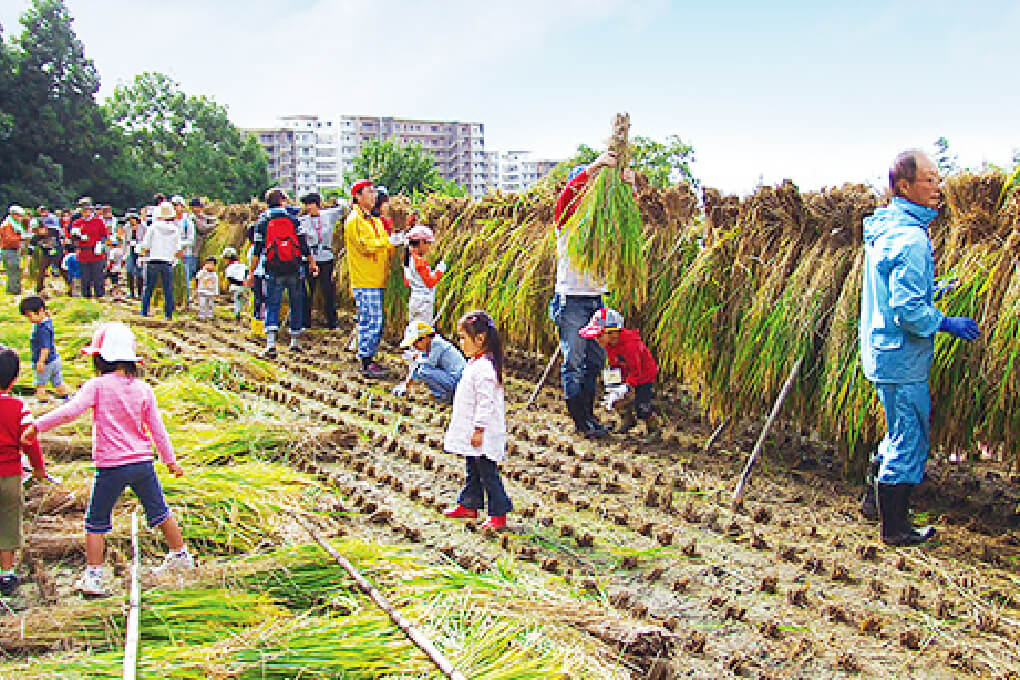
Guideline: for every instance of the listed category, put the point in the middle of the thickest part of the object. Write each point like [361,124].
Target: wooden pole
[718,431]
[541,381]
[442,308]
[415,635]
[738,494]
[134,604]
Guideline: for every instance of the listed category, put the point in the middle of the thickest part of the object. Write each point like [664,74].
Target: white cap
[112,341]
[177,199]
[16,210]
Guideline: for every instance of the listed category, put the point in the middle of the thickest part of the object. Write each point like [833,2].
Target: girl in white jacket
[478,423]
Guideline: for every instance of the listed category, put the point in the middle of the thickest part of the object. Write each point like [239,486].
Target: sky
[821,93]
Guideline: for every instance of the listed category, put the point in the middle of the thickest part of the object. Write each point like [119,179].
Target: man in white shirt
[318,226]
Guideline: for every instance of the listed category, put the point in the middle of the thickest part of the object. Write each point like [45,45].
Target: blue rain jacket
[898,315]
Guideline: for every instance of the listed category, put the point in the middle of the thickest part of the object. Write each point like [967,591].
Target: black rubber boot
[575,408]
[869,503]
[897,529]
[596,430]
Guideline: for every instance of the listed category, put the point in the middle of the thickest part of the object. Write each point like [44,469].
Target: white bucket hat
[112,341]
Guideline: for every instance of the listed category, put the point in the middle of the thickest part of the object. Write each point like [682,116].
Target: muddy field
[622,559]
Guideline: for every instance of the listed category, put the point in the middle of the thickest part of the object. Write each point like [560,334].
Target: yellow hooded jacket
[368,249]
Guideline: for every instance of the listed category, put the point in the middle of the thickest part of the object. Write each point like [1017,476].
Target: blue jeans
[109,484]
[161,269]
[904,451]
[582,359]
[483,480]
[441,384]
[190,267]
[275,285]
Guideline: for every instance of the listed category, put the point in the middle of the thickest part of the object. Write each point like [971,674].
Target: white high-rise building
[515,171]
[304,153]
[458,147]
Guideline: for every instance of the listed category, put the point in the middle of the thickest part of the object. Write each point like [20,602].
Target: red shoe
[495,522]
[460,512]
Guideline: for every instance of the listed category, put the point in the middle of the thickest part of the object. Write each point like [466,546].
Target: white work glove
[400,390]
[614,394]
[441,267]
[398,239]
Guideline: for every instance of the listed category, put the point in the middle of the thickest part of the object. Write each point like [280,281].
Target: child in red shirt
[15,418]
[632,370]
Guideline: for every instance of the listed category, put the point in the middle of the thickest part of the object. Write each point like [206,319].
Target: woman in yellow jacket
[368,255]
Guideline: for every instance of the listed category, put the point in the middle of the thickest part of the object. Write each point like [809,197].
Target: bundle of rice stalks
[606,237]
[233,510]
[188,399]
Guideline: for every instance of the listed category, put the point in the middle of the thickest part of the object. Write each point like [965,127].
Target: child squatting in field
[15,419]
[630,366]
[126,423]
[477,428]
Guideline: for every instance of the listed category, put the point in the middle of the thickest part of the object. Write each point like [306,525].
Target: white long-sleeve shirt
[478,402]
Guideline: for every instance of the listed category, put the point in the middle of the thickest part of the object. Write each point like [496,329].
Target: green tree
[664,163]
[403,169]
[55,140]
[183,144]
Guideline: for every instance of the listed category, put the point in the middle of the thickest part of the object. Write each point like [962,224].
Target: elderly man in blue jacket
[898,325]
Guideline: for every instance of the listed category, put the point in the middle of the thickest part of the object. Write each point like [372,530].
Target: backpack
[283,252]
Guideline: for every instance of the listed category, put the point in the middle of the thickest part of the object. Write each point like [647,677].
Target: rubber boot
[893,501]
[575,407]
[596,430]
[869,502]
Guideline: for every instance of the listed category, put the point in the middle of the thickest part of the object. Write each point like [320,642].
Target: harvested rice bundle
[606,238]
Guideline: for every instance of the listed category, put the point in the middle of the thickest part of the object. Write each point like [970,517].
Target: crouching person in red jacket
[631,372]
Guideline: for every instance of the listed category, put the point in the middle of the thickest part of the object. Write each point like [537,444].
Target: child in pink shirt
[125,424]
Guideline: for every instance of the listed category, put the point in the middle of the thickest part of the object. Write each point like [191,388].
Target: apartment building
[517,171]
[280,147]
[304,153]
[458,147]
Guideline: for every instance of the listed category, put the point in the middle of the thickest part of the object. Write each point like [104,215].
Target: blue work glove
[962,327]
[944,286]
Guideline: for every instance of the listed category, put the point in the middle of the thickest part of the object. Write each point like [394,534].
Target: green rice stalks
[606,238]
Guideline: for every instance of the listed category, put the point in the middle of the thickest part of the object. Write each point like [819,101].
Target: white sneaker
[91,584]
[175,562]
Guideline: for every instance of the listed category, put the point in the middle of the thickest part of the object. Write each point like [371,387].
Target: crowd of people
[291,251]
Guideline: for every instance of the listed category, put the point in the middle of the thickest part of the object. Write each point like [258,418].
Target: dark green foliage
[401,169]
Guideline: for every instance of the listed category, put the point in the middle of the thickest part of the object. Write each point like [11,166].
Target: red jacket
[92,232]
[571,195]
[15,419]
[631,356]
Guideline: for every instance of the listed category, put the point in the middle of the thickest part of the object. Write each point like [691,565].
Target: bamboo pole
[738,494]
[414,634]
[718,431]
[541,381]
[442,308]
[134,604]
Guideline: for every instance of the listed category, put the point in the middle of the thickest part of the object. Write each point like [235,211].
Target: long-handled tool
[738,494]
[541,381]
